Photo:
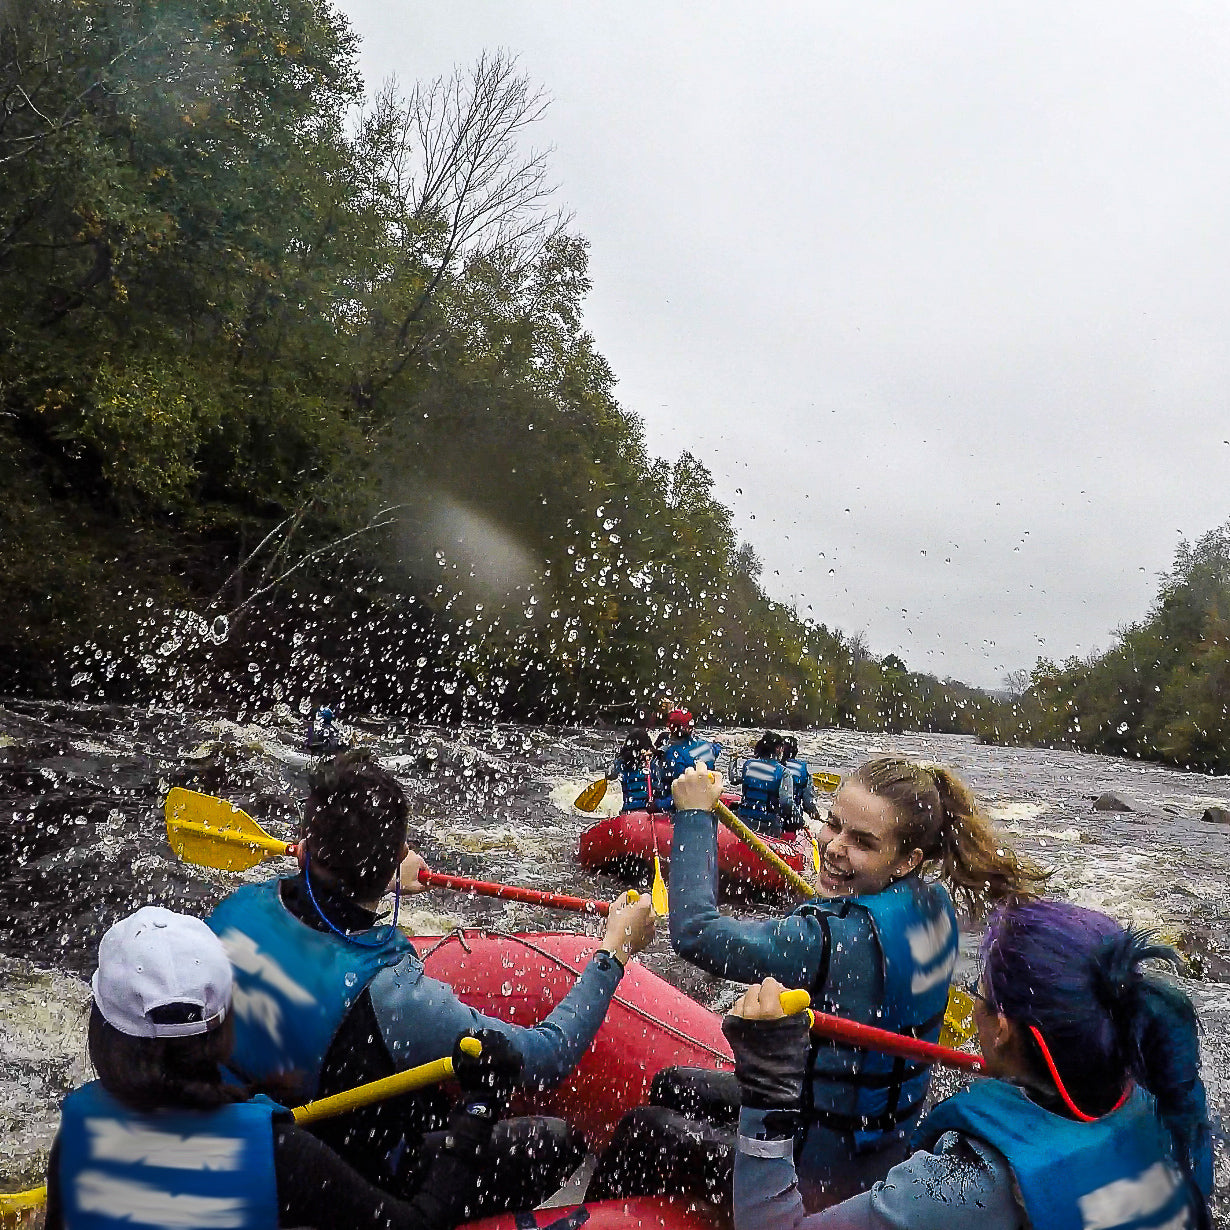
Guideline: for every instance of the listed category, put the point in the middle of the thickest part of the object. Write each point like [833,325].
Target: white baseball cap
[155,958]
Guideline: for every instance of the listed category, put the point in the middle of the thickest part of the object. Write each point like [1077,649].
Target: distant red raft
[620,843]
[650,1024]
[645,1212]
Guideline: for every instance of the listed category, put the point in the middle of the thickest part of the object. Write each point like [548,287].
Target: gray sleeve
[964,1185]
[421,1019]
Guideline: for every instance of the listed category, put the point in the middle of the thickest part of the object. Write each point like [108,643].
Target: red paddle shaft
[868,1036]
[510,892]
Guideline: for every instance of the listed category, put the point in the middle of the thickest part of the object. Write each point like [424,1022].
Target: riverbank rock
[1203,950]
[1111,802]
[1216,815]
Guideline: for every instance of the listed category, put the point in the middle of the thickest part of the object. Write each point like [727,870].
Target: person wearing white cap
[160,1140]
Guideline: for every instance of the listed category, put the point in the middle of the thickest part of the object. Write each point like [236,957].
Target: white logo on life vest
[1132,1200]
[933,953]
[254,1006]
[128,1201]
[112,1141]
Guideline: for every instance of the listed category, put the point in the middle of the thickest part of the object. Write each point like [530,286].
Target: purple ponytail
[1076,975]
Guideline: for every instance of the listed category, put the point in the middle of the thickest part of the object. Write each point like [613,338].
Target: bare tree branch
[462,186]
[374,523]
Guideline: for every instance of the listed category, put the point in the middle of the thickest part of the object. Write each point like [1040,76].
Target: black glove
[489,1079]
[770,1059]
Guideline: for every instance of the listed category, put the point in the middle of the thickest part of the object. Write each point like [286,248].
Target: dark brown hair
[355,822]
[152,1073]
[937,813]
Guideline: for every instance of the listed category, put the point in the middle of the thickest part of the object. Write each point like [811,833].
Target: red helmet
[680,717]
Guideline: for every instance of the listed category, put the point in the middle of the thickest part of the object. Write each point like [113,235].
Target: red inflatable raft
[622,843]
[650,1024]
[647,1212]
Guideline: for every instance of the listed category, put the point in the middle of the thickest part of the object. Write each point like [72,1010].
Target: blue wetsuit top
[963,1184]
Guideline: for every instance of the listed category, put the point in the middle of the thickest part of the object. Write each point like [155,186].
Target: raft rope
[459,934]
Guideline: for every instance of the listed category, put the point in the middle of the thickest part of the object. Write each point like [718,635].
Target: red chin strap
[1063,1093]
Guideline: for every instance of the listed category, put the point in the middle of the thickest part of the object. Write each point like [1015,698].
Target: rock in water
[1216,815]
[1111,802]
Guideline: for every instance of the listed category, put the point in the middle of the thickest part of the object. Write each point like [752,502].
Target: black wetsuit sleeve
[54,1218]
[317,1189]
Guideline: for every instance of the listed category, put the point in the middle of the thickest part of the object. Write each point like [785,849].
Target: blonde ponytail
[938,814]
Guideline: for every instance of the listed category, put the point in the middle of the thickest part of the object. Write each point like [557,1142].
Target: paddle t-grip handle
[795,1001]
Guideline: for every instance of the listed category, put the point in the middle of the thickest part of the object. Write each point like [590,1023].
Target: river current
[82,842]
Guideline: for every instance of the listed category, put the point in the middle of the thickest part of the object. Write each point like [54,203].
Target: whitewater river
[82,843]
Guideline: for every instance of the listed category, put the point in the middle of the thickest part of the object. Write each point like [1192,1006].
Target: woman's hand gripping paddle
[213,833]
[12,1204]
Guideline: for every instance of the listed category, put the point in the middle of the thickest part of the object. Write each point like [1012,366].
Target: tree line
[1160,692]
[297,404]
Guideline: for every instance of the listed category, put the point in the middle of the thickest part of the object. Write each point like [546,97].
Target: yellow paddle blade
[826,781]
[213,833]
[591,796]
[959,1025]
[815,854]
[661,903]
[14,1203]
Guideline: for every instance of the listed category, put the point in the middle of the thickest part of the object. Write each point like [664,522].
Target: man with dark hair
[326,997]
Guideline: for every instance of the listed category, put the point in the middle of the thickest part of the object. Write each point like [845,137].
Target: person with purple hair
[1092,1117]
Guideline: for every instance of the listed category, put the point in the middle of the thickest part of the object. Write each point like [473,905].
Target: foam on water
[1016,813]
[42,1058]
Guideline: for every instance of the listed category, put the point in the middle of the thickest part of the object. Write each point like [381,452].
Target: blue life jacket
[165,1169]
[764,783]
[1115,1173]
[673,759]
[635,785]
[865,1092]
[293,985]
[802,779]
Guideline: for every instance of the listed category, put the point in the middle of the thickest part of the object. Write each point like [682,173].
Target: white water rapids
[82,843]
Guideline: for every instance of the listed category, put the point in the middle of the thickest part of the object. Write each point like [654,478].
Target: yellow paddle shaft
[736,826]
[387,1087]
[12,1203]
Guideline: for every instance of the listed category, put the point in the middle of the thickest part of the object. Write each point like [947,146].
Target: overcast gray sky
[938,291]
